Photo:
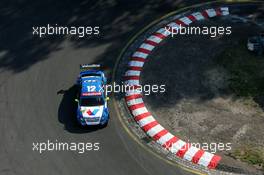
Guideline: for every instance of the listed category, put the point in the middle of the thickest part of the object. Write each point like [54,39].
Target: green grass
[251,155]
[246,70]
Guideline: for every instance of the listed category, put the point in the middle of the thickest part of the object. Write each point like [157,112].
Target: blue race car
[91,97]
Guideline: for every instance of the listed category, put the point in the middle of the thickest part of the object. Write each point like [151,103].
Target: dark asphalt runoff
[36,79]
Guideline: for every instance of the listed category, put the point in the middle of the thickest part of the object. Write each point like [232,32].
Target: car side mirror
[76,100]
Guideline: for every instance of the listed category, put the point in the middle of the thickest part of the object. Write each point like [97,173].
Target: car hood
[92,111]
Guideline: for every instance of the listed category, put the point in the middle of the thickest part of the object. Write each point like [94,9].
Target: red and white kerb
[136,105]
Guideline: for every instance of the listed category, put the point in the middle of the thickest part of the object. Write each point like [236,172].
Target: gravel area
[198,105]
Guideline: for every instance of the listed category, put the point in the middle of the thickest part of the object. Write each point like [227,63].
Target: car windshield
[92,101]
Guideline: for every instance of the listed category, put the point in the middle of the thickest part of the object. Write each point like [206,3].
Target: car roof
[91,86]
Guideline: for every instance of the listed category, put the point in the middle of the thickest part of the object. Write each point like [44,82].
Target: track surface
[36,95]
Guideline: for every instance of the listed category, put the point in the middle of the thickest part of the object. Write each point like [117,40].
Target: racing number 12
[90,88]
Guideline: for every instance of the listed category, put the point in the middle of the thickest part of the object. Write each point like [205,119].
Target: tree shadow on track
[116,19]
[67,113]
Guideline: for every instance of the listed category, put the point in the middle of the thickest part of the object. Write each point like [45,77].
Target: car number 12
[90,88]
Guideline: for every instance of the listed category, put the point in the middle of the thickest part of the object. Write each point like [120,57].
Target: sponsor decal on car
[92,112]
[91,93]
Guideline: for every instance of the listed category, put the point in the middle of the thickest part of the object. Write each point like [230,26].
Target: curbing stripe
[160,134]
[224,11]
[135,68]
[164,139]
[155,130]
[136,105]
[170,142]
[159,35]
[136,63]
[146,121]
[133,96]
[133,92]
[164,32]
[186,20]
[197,156]
[132,82]
[142,116]
[147,46]
[132,72]
[183,150]
[204,159]
[211,12]
[214,161]
[218,12]
[205,14]
[198,16]
[173,24]
[150,125]
[144,51]
[173,27]
[175,147]
[131,77]
[140,54]
[189,155]
[150,42]
[134,101]
[138,59]
[192,18]
[154,39]
[180,23]
[139,111]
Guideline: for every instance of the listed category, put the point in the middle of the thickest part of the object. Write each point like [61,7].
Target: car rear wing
[84,67]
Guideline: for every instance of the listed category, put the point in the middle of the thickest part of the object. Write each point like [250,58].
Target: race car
[256,44]
[91,98]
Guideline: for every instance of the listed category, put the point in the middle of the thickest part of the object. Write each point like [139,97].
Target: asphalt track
[36,79]
[30,114]
[36,82]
